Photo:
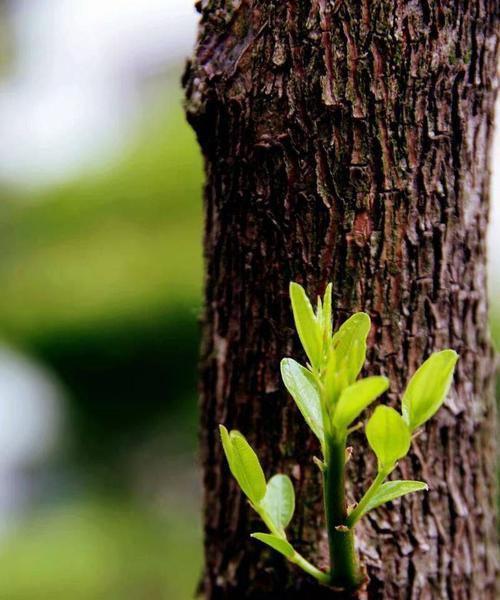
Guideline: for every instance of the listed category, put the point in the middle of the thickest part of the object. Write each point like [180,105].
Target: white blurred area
[77,81]
[30,429]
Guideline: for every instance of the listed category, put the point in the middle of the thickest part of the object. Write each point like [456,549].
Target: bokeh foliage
[101,281]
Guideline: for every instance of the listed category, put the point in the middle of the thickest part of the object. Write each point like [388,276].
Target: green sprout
[331,398]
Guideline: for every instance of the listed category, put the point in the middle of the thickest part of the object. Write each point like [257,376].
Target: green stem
[296,558]
[358,512]
[306,566]
[344,566]
[268,522]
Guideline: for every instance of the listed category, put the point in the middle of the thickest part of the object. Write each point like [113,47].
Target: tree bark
[347,141]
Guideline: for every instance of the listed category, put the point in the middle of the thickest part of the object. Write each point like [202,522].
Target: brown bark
[348,141]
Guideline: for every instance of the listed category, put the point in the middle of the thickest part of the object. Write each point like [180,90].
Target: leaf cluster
[331,398]
[273,500]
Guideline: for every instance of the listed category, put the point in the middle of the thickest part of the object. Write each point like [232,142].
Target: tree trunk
[347,141]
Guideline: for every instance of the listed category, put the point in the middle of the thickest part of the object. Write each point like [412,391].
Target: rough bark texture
[347,141]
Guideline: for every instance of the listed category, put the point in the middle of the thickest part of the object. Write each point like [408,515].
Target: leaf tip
[284,362]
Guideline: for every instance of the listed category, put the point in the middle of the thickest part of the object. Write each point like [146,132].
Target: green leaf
[279,501]
[336,378]
[319,314]
[244,464]
[356,398]
[307,326]
[228,447]
[391,490]
[327,312]
[276,543]
[349,343]
[302,387]
[388,436]
[428,388]
[330,380]
[253,482]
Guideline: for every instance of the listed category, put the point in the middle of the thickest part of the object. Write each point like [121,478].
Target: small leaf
[319,463]
[428,388]
[349,343]
[391,490]
[302,387]
[279,501]
[388,436]
[228,446]
[336,378]
[331,380]
[253,481]
[305,321]
[327,312]
[319,314]
[244,464]
[356,398]
[276,543]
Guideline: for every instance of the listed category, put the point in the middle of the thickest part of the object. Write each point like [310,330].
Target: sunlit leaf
[228,447]
[244,464]
[388,436]
[349,343]
[336,378]
[428,388]
[302,387]
[331,383]
[391,490]
[276,543]
[327,312]
[279,501]
[319,314]
[355,398]
[307,326]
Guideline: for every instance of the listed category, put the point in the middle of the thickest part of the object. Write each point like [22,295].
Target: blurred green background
[100,281]
[100,288]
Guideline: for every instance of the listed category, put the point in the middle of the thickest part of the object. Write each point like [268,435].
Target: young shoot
[331,398]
